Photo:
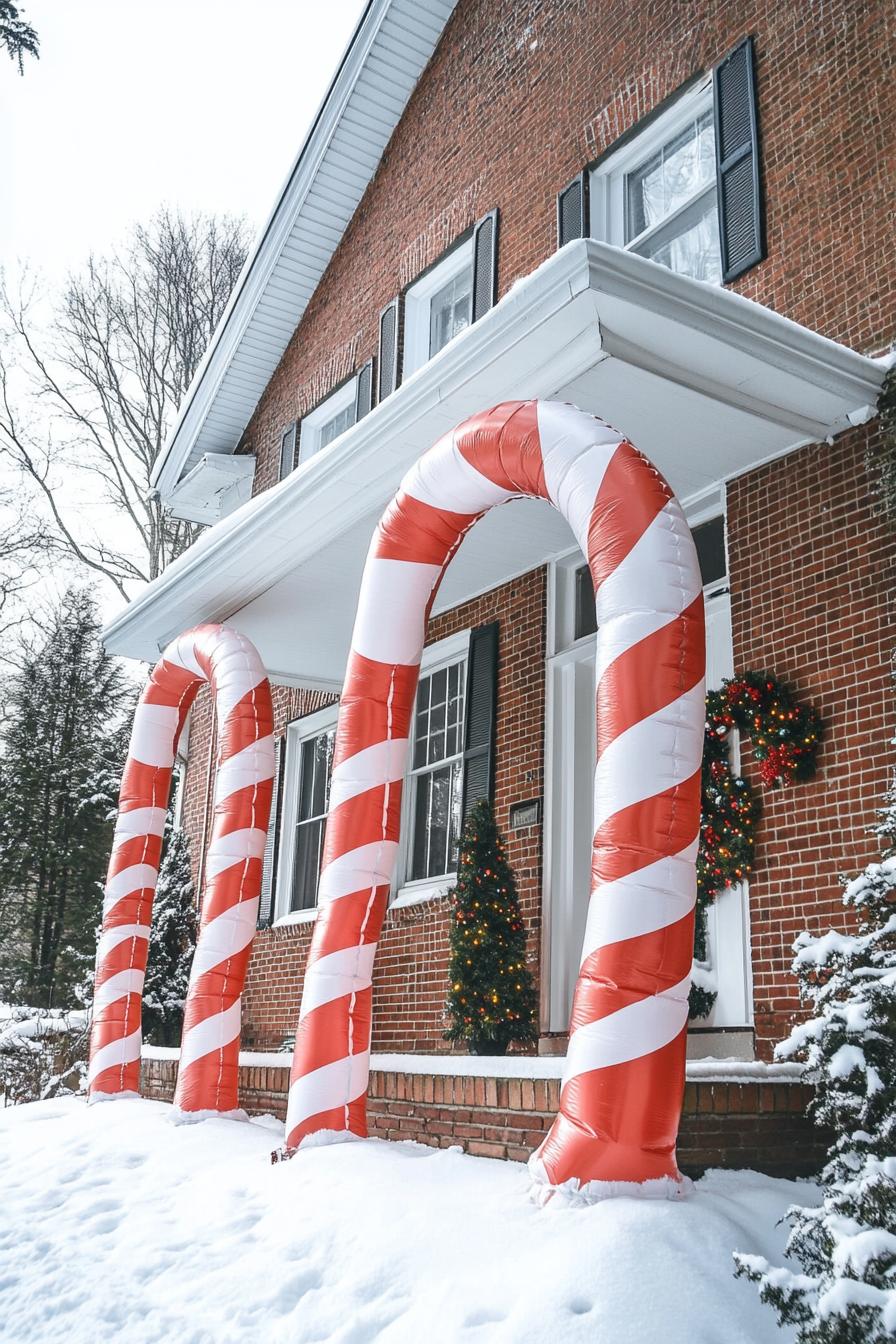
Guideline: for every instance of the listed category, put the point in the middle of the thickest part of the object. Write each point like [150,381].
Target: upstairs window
[330,418]
[657,194]
[453,294]
[684,187]
[670,208]
[438,307]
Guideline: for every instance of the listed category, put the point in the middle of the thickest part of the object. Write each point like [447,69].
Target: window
[438,306]
[709,538]
[657,194]
[309,765]
[328,420]
[436,780]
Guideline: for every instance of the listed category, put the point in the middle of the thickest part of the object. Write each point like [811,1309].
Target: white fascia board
[547,331]
[259,274]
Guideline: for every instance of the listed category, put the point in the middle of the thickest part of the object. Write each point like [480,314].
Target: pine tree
[172,941]
[17,35]
[847,1246]
[62,752]
[492,999]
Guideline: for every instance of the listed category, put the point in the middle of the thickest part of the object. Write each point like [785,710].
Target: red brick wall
[411,969]
[812,556]
[521,94]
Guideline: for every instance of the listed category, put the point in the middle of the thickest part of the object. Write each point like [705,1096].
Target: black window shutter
[388,354]
[364,390]
[485,269]
[480,710]
[741,222]
[572,210]
[288,450]
[272,844]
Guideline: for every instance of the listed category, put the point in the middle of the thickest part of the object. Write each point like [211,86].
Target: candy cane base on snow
[624,1078]
[209,1058]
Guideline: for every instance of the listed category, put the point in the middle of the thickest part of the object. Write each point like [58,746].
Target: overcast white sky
[195,103]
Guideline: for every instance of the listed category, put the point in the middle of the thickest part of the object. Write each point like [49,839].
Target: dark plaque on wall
[525,814]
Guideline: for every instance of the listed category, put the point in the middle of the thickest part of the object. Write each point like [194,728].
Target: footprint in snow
[290,1293]
[483,1317]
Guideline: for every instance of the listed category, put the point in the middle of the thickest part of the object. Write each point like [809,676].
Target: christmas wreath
[785,736]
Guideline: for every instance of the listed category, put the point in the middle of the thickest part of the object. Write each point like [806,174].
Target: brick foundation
[755,1124]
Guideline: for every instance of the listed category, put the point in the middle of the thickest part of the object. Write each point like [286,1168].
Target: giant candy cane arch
[624,1076]
[207,1077]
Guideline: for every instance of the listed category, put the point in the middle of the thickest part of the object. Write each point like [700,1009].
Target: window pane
[323,760]
[457,783]
[449,310]
[332,428]
[306,869]
[694,250]
[454,738]
[420,853]
[306,780]
[644,197]
[671,177]
[585,613]
[709,539]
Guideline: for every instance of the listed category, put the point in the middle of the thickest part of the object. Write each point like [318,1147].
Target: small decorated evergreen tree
[172,942]
[492,999]
[847,1245]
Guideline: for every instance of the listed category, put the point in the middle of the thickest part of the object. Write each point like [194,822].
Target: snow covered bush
[847,1246]
[43,1053]
[172,941]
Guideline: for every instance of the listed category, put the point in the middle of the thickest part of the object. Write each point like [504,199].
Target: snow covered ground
[116,1224]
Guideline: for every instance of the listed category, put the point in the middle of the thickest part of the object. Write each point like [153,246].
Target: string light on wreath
[785,735]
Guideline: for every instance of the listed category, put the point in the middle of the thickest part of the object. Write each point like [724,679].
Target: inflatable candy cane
[207,1078]
[624,1077]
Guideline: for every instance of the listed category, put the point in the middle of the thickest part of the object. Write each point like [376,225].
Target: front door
[569,785]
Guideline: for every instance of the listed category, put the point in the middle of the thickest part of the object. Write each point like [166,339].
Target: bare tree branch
[103,382]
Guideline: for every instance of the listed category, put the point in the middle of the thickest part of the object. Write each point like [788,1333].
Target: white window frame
[297,733]
[313,423]
[454,649]
[607,179]
[418,301]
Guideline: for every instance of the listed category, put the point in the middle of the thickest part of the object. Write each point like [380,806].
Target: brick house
[677,217]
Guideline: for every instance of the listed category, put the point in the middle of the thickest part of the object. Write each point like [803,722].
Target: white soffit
[705,382]
[377,75]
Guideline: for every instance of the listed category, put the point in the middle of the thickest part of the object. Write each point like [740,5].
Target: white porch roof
[705,382]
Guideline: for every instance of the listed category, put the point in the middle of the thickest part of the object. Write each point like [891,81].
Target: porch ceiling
[705,382]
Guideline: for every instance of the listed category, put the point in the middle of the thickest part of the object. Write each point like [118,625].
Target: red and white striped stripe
[207,1079]
[624,1079]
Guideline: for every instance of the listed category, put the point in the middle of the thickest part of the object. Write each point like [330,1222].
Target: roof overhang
[705,382]
[376,76]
